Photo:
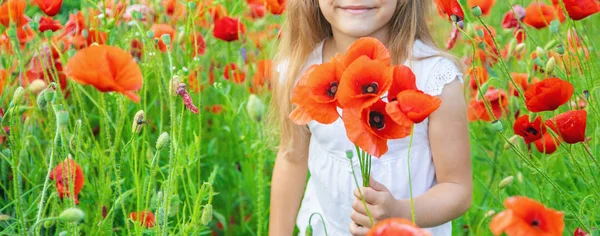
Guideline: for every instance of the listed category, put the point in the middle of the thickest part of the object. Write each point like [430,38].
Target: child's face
[358,18]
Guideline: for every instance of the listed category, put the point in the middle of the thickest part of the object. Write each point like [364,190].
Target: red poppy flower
[3,77]
[95,36]
[371,127]
[403,79]
[413,104]
[367,46]
[65,173]
[228,29]
[276,6]
[45,66]
[107,68]
[47,23]
[539,15]
[548,94]
[198,44]
[447,8]
[363,83]
[13,11]
[548,144]
[512,17]
[485,5]
[160,30]
[74,25]
[315,95]
[398,227]
[579,9]
[49,7]
[522,80]
[496,98]
[530,131]
[215,109]
[233,72]
[580,232]
[524,216]
[263,74]
[571,125]
[145,218]
[478,76]
[257,10]
[174,8]
[217,12]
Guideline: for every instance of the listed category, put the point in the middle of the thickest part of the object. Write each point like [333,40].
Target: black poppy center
[333,87]
[532,130]
[535,223]
[370,88]
[376,120]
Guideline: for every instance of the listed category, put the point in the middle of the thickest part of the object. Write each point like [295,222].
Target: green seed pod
[206,214]
[162,141]
[554,25]
[62,119]
[166,38]
[560,49]
[506,181]
[48,34]
[255,108]
[349,154]
[191,5]
[50,94]
[309,230]
[71,215]
[48,224]
[476,10]
[497,126]
[150,34]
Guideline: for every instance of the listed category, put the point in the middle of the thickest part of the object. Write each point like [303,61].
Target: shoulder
[434,67]
[315,57]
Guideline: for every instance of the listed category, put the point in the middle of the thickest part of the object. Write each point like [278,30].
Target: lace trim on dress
[442,73]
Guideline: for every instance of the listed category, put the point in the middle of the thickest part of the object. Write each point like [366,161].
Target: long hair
[305,27]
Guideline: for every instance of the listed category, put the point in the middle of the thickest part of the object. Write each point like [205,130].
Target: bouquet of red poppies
[379,101]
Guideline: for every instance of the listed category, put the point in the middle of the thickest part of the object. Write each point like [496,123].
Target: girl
[316,30]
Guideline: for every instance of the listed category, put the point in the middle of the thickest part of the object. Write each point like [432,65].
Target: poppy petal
[370,47]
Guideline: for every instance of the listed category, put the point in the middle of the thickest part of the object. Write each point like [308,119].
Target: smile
[357,9]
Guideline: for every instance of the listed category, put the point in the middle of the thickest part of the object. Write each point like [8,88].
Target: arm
[287,186]
[451,196]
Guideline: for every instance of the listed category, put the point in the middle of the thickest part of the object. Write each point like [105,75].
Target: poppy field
[143,117]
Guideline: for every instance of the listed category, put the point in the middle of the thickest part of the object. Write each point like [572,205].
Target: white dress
[330,188]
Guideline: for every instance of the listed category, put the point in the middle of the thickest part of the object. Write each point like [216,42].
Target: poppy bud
[41,100]
[512,140]
[166,38]
[48,34]
[540,52]
[36,86]
[476,10]
[150,34]
[538,61]
[11,33]
[554,26]
[162,141]
[138,121]
[560,49]
[520,48]
[71,215]
[490,213]
[349,154]
[71,52]
[50,94]
[19,92]
[551,44]
[62,119]
[48,224]
[255,108]
[497,126]
[506,181]
[484,88]
[480,33]
[85,33]
[309,230]
[550,65]
[511,47]
[191,5]
[4,217]
[206,214]
[180,37]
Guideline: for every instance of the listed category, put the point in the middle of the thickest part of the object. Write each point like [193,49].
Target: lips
[356,9]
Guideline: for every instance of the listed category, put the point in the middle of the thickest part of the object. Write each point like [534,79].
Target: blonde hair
[305,27]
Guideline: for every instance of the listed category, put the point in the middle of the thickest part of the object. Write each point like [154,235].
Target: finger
[356,230]
[360,219]
[359,206]
[369,194]
[378,186]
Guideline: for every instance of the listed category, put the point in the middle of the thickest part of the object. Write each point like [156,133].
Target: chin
[358,32]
